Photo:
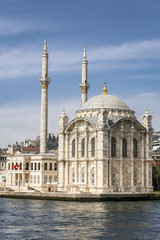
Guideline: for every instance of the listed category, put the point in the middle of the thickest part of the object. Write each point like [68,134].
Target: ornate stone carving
[102,119]
[147,120]
[63,121]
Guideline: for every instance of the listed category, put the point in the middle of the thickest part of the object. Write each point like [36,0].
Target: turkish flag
[16,167]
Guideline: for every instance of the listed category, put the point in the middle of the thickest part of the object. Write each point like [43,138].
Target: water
[40,219]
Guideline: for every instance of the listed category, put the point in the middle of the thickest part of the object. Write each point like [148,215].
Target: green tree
[156,177]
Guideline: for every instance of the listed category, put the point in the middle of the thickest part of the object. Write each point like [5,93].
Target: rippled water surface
[42,219]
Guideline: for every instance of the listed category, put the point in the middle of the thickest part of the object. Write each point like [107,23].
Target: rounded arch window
[83,147]
[113,147]
[73,148]
[124,148]
[93,147]
[135,148]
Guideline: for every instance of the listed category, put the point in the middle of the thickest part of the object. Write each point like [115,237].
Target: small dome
[106,101]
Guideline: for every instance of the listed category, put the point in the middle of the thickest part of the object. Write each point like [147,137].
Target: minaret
[84,86]
[44,80]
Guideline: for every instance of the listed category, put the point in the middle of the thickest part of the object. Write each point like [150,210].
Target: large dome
[106,101]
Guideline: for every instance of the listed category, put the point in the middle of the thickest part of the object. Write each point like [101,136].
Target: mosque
[104,149]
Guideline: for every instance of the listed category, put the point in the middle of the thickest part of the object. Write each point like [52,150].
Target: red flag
[16,167]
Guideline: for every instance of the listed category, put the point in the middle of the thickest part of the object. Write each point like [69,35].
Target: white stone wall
[103,173]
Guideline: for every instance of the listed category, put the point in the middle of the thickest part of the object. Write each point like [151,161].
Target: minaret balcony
[84,86]
[44,80]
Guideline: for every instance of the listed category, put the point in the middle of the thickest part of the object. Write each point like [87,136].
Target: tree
[156,177]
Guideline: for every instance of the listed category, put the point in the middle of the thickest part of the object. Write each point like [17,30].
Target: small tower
[147,119]
[44,81]
[63,121]
[84,86]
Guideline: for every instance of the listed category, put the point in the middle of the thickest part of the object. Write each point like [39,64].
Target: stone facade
[105,149]
[35,172]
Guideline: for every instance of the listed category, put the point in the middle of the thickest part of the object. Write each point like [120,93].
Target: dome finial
[105,90]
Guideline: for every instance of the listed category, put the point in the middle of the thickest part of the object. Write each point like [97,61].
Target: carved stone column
[76,172]
[142,159]
[132,160]
[76,143]
[60,175]
[121,173]
[110,173]
[67,147]
[86,172]
[96,145]
[107,174]
[147,174]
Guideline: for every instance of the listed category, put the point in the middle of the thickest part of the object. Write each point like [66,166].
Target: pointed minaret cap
[147,113]
[105,90]
[147,110]
[45,45]
[63,112]
[84,54]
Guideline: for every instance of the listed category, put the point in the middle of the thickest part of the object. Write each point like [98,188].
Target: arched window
[93,147]
[45,179]
[34,178]
[93,176]
[135,177]
[135,148]
[35,166]
[38,179]
[31,179]
[27,165]
[45,166]
[39,166]
[31,166]
[124,148]
[73,175]
[113,177]
[55,167]
[82,175]
[113,147]
[50,166]
[73,148]
[83,147]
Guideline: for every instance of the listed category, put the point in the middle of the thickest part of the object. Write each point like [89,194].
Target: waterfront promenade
[80,196]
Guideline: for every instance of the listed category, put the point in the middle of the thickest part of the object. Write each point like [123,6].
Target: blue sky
[123,48]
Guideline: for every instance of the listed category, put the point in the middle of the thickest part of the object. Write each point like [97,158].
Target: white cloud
[148,49]
[139,103]
[16,26]
[12,27]
[25,60]
[20,121]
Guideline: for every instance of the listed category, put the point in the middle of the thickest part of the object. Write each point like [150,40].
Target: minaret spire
[45,45]
[44,80]
[84,54]
[84,86]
